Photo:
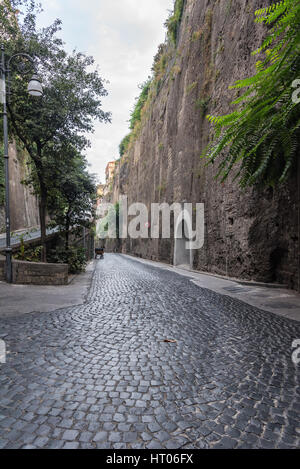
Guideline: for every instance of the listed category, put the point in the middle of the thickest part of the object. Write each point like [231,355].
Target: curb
[252,283]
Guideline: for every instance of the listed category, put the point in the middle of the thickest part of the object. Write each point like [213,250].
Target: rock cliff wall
[23,205]
[250,234]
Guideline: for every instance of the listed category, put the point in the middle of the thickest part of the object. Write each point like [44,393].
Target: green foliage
[140,101]
[21,254]
[27,253]
[75,258]
[261,137]
[9,13]
[123,147]
[72,194]
[71,102]
[72,92]
[136,116]
[173,22]
[202,104]
[160,63]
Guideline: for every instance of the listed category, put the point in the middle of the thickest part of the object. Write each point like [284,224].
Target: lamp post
[34,89]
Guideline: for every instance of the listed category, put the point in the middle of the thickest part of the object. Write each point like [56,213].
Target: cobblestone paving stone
[101,376]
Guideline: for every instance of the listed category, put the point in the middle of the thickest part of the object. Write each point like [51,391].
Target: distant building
[100,190]
[100,193]
[110,170]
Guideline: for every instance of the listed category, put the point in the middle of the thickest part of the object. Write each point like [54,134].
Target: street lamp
[34,89]
[34,86]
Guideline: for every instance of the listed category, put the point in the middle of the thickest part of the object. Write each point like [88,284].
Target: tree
[72,196]
[261,137]
[8,17]
[70,105]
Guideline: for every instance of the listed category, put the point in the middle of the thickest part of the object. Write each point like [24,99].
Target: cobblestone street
[101,375]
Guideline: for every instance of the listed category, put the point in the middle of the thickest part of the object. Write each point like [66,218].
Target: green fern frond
[262,136]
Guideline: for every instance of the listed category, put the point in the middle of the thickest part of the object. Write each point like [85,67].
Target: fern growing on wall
[261,137]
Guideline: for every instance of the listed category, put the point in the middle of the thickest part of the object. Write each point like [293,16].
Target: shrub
[136,117]
[75,258]
[173,22]
[123,147]
[136,113]
[28,254]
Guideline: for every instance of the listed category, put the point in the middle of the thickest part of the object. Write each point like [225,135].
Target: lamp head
[35,87]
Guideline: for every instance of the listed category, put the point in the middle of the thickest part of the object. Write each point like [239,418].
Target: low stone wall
[36,273]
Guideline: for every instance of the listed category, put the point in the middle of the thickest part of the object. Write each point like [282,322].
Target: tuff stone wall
[23,205]
[36,273]
[250,234]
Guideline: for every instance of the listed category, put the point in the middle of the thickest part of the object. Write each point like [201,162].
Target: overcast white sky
[122,36]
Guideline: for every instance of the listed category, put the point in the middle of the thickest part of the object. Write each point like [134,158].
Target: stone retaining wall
[24,212]
[36,273]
